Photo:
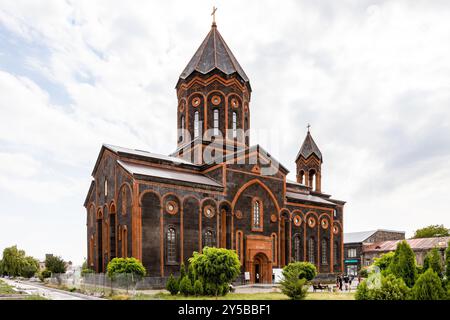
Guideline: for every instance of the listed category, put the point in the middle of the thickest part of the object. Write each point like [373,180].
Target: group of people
[344,282]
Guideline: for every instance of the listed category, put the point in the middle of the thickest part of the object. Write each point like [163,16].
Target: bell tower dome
[309,164]
[213,94]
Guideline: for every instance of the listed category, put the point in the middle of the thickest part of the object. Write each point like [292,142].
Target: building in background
[420,247]
[354,243]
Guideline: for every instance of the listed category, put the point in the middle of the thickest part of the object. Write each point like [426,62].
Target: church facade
[215,189]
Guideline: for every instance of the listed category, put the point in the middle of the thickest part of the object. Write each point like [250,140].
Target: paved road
[49,293]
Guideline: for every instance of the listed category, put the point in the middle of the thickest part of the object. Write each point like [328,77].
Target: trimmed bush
[126,265]
[216,268]
[304,270]
[403,264]
[198,288]
[292,286]
[185,286]
[384,261]
[447,262]
[172,285]
[428,287]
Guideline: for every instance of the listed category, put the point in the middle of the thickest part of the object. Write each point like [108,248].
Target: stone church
[215,189]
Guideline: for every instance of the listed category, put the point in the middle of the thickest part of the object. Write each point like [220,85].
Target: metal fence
[99,284]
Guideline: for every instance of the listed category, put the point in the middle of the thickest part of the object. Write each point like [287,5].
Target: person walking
[346,281]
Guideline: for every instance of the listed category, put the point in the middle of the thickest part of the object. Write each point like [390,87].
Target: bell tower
[213,95]
[309,164]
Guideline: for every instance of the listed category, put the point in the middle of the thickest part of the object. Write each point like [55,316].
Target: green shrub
[186,286]
[379,287]
[433,260]
[384,261]
[364,272]
[216,268]
[403,264]
[305,270]
[428,287]
[198,288]
[126,265]
[172,285]
[46,274]
[182,272]
[86,271]
[292,285]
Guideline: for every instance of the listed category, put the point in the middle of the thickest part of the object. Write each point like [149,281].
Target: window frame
[260,226]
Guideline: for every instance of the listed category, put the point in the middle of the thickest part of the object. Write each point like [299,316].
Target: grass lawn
[6,289]
[243,296]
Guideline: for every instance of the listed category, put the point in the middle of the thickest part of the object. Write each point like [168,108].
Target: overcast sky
[372,78]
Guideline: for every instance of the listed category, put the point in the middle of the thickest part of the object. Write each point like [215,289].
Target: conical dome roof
[309,147]
[212,54]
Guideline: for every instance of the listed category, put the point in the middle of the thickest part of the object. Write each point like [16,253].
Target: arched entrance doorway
[261,269]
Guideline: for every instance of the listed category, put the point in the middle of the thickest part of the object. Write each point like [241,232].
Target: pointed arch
[250,183]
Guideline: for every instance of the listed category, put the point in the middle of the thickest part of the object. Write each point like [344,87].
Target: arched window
[297,248]
[106,187]
[312,179]
[216,122]
[301,176]
[324,252]
[257,215]
[171,245]
[335,253]
[208,238]
[124,242]
[311,250]
[274,249]
[239,245]
[182,128]
[234,125]
[196,125]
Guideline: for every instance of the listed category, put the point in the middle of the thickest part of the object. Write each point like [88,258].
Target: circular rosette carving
[171,207]
[209,211]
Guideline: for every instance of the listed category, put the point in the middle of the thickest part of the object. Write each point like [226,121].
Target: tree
[55,264]
[293,283]
[433,260]
[172,285]
[305,270]
[126,265]
[13,261]
[185,286]
[384,261]
[216,268]
[403,264]
[428,287]
[447,262]
[432,231]
[30,267]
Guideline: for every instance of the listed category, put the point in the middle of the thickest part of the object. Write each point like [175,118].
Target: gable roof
[309,147]
[141,154]
[167,174]
[355,237]
[415,244]
[212,54]
[308,197]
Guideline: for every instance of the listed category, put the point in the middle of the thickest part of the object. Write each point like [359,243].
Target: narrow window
[297,248]
[182,128]
[171,245]
[106,187]
[216,122]
[311,251]
[324,252]
[239,245]
[257,214]
[124,242]
[335,253]
[274,248]
[196,125]
[234,125]
[208,239]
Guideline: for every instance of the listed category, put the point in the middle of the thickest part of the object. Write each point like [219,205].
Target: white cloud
[372,77]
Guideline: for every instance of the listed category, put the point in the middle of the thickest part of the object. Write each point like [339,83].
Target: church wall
[151,242]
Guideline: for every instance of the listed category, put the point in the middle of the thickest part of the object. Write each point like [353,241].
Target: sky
[371,77]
